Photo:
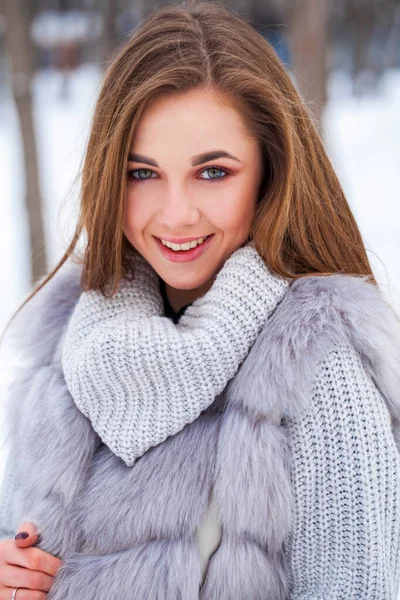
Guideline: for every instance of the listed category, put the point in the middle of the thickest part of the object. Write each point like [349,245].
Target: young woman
[216,421]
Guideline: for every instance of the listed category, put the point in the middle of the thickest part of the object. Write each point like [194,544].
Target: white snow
[362,137]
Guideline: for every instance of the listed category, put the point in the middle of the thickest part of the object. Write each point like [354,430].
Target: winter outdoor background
[70,42]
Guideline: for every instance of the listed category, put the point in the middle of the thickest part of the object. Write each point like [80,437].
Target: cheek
[135,212]
[235,213]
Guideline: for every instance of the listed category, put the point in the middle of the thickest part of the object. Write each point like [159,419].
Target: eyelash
[226,171]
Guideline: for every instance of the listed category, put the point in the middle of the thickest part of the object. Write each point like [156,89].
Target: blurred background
[342,55]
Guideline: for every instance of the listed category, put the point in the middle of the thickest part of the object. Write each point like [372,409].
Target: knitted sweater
[324,373]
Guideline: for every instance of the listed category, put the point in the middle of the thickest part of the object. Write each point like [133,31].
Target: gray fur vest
[139,522]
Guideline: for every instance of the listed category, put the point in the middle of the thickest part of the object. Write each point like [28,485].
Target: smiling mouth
[184,240]
[180,255]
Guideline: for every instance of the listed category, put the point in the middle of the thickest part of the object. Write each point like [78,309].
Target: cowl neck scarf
[138,377]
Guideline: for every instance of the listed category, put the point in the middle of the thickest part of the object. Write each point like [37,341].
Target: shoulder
[35,332]
[319,311]
[320,322]
[347,328]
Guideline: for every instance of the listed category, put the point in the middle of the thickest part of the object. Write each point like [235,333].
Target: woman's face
[173,192]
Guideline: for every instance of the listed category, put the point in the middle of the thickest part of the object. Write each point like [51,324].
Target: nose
[177,211]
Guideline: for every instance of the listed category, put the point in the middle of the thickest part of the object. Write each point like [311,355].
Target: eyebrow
[199,159]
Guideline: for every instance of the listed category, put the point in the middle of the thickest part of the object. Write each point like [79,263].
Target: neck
[179,298]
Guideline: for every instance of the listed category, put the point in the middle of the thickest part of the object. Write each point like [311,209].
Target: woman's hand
[32,570]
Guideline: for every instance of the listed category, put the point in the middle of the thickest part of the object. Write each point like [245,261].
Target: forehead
[191,119]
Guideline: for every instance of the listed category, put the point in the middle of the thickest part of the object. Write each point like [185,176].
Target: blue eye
[214,169]
[137,174]
[132,171]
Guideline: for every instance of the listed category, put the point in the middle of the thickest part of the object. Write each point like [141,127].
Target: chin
[186,285]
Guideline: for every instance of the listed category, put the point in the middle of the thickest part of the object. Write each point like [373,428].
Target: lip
[185,255]
[180,240]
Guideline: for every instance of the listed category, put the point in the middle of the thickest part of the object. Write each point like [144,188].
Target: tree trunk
[110,38]
[308,49]
[19,51]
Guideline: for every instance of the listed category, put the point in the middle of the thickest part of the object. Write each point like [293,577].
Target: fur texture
[130,532]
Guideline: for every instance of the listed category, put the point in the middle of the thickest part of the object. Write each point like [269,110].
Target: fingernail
[21,536]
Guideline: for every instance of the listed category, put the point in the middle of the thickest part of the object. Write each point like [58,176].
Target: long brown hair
[303,224]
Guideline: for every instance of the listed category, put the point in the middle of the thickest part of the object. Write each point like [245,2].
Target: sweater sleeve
[345,541]
[139,377]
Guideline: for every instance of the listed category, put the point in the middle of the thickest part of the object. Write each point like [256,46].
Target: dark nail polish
[22,535]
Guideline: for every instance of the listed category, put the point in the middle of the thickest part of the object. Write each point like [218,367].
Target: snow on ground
[361,137]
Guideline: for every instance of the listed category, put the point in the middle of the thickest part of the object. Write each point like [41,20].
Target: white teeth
[184,246]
